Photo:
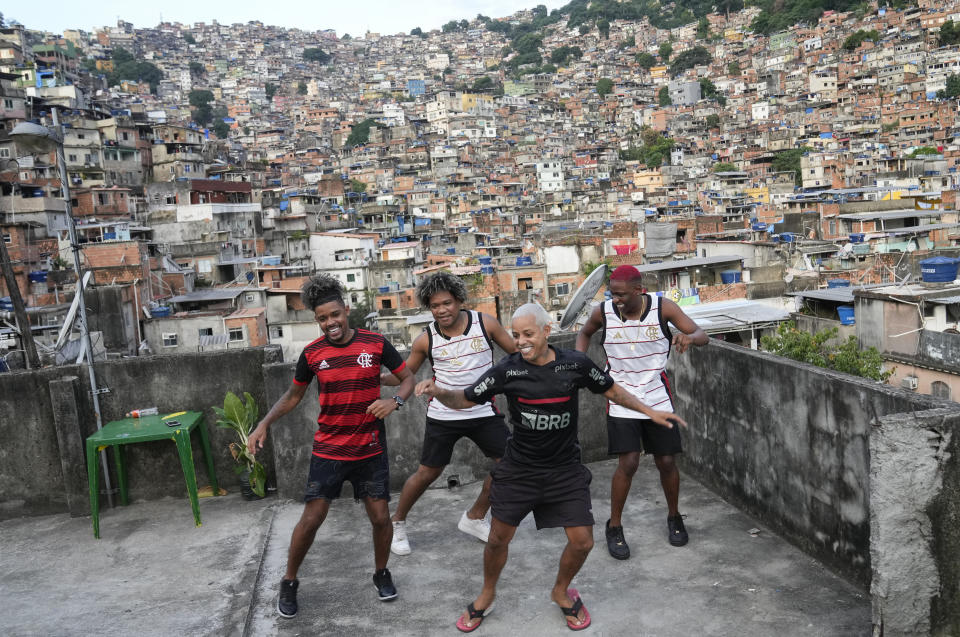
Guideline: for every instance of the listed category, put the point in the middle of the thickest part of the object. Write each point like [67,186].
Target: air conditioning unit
[910,382]
[554,301]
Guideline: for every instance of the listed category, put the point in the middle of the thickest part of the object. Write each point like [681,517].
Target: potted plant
[241,417]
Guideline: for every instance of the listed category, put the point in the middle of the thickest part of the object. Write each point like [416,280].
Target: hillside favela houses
[778,177]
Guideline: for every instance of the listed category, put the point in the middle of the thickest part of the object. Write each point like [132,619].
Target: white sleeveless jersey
[637,352]
[457,364]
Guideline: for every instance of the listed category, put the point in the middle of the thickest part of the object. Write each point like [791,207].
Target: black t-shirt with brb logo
[543,404]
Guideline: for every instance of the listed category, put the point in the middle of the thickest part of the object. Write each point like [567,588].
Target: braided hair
[441,281]
[321,288]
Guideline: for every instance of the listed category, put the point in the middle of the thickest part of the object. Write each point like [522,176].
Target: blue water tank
[730,276]
[38,276]
[163,310]
[383,289]
[524,261]
[838,283]
[451,250]
[485,260]
[939,269]
[486,269]
[759,227]
[846,314]
[857,237]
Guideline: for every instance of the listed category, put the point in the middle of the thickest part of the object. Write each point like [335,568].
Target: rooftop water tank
[939,269]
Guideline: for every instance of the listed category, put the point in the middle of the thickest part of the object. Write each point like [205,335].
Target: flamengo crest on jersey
[457,363]
[637,352]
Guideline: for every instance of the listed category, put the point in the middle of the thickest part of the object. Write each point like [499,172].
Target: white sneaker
[400,545]
[479,529]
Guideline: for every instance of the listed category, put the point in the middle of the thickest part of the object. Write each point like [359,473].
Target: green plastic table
[117,433]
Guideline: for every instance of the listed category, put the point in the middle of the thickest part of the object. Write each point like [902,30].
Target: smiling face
[530,338]
[626,295]
[445,308]
[332,318]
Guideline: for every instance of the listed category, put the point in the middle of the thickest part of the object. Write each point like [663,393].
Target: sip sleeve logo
[483,386]
[596,375]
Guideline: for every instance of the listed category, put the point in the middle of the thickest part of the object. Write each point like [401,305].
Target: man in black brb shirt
[541,469]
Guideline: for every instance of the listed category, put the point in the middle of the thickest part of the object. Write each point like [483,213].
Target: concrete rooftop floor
[154,573]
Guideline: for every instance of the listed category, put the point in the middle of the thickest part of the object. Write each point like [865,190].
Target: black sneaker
[676,532]
[386,591]
[287,602]
[616,544]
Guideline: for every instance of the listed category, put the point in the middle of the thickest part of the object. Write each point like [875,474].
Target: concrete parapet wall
[915,523]
[788,442]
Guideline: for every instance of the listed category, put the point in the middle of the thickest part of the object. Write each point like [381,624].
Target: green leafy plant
[815,349]
[241,418]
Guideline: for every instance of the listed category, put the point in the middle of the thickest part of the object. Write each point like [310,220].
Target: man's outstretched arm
[622,397]
[450,398]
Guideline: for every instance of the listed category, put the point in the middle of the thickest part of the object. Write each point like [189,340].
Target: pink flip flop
[473,613]
[570,614]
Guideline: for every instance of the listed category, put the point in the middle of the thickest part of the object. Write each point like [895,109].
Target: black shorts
[642,434]
[370,478]
[557,497]
[439,437]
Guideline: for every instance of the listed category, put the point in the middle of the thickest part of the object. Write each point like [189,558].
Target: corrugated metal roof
[725,316]
[687,263]
[839,295]
[885,215]
[200,296]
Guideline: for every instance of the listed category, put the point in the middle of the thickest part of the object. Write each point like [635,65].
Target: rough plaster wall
[914,592]
[907,452]
[31,476]
[788,442]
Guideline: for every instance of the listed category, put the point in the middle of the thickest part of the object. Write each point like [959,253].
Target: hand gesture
[255,440]
[382,407]
[667,419]
[426,387]
[682,342]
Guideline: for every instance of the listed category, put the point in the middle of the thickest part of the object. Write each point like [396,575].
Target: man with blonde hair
[541,470]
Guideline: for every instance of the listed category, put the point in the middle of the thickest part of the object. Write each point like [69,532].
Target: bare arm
[624,398]
[498,334]
[382,407]
[690,332]
[452,399]
[594,323]
[418,354]
[290,399]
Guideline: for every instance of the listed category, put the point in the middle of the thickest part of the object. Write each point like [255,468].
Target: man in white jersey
[637,339]
[458,344]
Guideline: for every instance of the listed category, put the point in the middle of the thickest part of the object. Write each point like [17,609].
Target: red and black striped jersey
[348,376]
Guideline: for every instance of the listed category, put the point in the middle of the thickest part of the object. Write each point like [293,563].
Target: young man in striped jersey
[637,339]
[459,346]
[350,442]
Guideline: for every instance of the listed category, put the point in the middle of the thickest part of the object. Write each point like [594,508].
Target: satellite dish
[584,294]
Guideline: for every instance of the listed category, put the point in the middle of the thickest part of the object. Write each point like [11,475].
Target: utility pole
[19,310]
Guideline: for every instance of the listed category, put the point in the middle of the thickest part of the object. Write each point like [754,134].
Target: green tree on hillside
[949,34]
[663,97]
[690,58]
[603,27]
[360,133]
[665,50]
[189,39]
[724,167]
[953,88]
[646,61]
[316,55]
[604,86]
[854,40]
[301,88]
[126,67]
[789,161]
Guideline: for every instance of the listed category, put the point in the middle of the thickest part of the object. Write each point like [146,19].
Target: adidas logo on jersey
[323,364]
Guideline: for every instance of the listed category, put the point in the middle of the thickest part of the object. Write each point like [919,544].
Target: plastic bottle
[140,413]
